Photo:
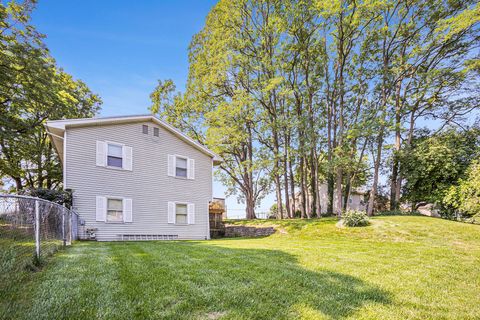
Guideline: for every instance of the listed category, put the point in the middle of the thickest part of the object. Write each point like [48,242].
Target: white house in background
[355,200]
[135,178]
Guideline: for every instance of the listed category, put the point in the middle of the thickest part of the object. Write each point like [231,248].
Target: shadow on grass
[295,224]
[271,283]
[181,280]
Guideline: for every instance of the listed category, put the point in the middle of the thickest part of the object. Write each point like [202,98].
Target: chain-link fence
[32,229]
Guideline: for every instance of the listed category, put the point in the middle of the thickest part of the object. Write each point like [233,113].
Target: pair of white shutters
[101,209]
[172,165]
[172,212]
[102,149]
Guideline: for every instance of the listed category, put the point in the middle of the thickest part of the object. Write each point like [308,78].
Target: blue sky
[121,48]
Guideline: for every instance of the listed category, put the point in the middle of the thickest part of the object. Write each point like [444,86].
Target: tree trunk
[302,189]
[18,183]
[292,186]
[339,193]
[250,203]
[317,189]
[330,192]
[373,193]
[394,182]
[346,197]
[278,190]
[286,189]
[248,177]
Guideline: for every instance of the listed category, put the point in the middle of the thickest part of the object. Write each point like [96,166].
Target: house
[356,199]
[135,178]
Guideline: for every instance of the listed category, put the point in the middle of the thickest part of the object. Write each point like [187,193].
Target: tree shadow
[252,283]
[193,280]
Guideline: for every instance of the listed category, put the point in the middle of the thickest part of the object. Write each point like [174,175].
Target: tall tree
[32,89]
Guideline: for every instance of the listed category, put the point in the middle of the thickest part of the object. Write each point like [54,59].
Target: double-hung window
[114,155]
[114,210]
[180,167]
[181,213]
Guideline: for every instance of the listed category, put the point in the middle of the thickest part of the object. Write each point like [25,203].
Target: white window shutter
[171,165]
[191,213]
[101,153]
[127,158]
[101,208]
[171,212]
[191,169]
[127,210]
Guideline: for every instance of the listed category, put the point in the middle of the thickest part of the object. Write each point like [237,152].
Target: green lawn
[398,268]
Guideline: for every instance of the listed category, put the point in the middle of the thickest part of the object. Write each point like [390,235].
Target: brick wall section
[246,231]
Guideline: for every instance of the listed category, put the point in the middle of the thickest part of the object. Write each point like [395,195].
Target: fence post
[63,227]
[37,229]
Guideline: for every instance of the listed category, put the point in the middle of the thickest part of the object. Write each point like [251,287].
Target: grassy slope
[397,268]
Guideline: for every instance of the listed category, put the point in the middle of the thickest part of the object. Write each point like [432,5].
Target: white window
[115,155]
[181,213]
[114,210]
[181,167]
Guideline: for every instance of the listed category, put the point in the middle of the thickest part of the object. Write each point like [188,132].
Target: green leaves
[32,89]
[436,163]
[452,26]
[465,197]
[298,92]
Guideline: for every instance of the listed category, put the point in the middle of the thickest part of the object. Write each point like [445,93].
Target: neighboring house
[135,177]
[355,200]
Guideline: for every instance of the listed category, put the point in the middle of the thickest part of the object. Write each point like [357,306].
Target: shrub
[464,199]
[57,196]
[353,218]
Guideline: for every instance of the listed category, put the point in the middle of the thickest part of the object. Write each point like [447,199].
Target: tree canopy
[32,89]
[294,94]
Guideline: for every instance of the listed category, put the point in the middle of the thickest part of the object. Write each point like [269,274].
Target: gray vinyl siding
[148,184]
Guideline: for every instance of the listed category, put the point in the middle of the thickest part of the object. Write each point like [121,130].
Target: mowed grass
[398,268]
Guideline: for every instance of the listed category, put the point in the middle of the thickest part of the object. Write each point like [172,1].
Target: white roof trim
[57,127]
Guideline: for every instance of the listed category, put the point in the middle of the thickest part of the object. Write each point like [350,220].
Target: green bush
[352,218]
[464,198]
[63,197]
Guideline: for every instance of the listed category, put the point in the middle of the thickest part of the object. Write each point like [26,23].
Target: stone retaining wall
[246,231]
